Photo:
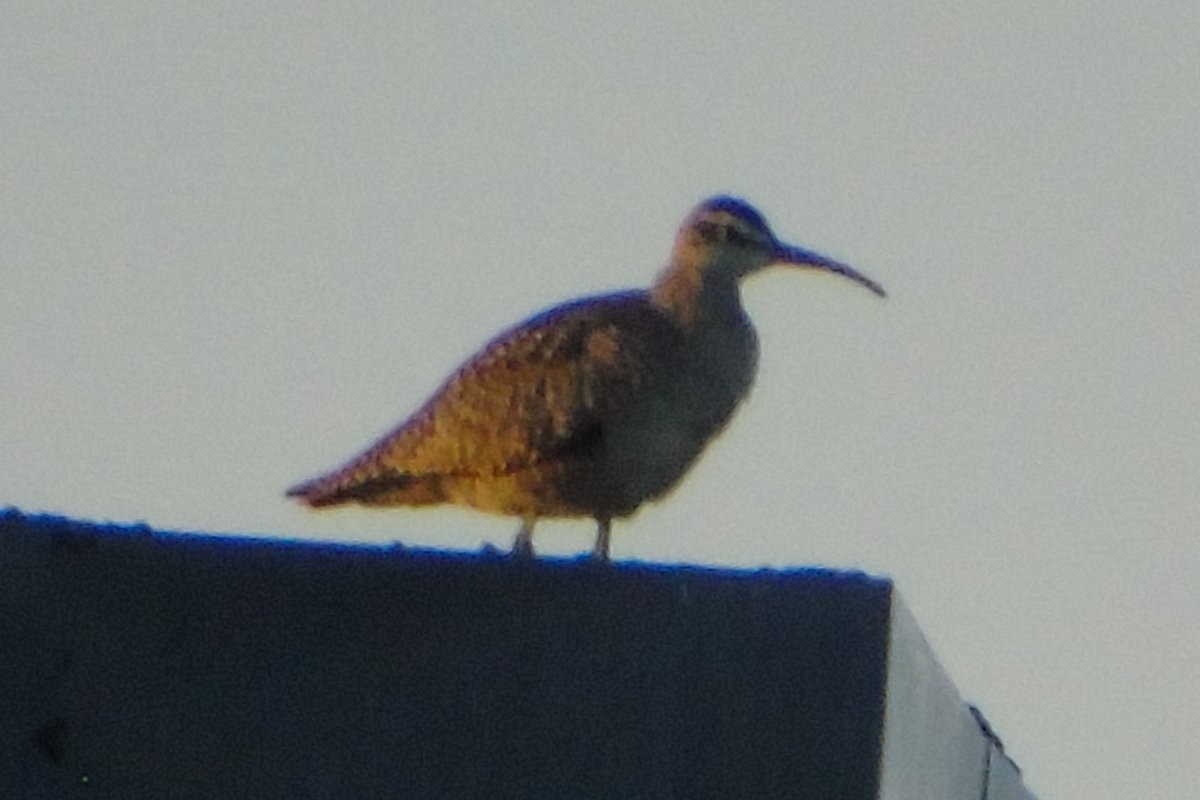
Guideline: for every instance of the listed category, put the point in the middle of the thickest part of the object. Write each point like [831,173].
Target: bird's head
[725,237]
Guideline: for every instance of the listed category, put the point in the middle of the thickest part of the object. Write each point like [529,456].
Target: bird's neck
[692,295]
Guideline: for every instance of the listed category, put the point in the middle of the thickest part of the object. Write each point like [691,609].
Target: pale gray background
[239,242]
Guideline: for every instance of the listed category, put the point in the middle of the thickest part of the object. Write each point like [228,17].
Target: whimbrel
[591,408]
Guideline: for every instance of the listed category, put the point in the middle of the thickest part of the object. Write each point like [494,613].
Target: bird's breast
[688,401]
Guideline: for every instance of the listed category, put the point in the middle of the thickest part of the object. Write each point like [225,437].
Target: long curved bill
[799,257]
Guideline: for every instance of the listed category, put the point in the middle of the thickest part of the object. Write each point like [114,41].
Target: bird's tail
[356,484]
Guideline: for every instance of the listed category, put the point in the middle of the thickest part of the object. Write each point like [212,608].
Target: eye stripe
[729,229]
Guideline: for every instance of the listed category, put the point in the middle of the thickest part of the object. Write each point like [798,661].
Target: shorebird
[593,407]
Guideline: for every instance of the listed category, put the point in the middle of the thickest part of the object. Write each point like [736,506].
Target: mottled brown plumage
[590,408]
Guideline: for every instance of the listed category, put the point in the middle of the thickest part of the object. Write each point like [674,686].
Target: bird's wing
[538,391]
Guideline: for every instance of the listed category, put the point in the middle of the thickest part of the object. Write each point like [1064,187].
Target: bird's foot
[603,533]
[522,548]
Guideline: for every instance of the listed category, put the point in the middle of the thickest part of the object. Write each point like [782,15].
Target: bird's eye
[709,231]
[735,236]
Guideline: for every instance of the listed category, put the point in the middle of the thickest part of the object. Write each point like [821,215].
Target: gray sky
[241,242]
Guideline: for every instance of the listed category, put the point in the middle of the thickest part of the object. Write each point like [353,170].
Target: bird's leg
[523,543]
[603,529]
